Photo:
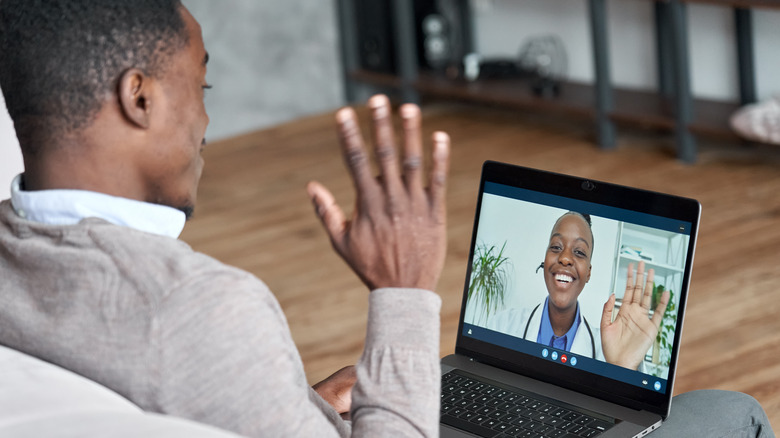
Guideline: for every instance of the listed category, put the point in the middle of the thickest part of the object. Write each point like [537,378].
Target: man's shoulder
[172,261]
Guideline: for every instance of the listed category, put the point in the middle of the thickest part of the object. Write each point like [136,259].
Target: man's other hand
[337,389]
[396,236]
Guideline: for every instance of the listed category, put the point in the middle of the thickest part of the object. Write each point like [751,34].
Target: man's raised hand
[396,235]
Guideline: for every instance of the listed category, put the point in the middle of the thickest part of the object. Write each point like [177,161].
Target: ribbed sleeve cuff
[403,318]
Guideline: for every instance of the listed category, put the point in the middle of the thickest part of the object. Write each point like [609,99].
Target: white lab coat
[514,322]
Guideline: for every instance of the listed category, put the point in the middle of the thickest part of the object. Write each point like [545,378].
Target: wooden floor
[253,213]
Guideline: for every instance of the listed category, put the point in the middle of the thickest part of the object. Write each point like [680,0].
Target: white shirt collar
[69,207]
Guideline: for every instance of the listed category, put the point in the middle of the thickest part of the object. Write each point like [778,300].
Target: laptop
[533,357]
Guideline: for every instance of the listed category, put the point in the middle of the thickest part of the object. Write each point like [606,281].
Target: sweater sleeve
[399,376]
[226,358]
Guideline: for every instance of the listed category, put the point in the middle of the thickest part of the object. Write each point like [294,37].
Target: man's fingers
[384,142]
[330,214]
[413,162]
[439,170]
[355,153]
[606,314]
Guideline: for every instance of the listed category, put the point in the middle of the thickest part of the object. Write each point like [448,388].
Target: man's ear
[135,97]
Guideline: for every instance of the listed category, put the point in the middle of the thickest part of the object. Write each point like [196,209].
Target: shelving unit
[671,108]
[662,251]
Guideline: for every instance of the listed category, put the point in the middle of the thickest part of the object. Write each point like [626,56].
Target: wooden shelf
[635,107]
[711,118]
[574,98]
[672,107]
[770,4]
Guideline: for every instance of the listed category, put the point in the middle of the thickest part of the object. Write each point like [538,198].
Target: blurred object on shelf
[759,121]
[545,57]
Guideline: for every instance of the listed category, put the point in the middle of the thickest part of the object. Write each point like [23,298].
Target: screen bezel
[607,194]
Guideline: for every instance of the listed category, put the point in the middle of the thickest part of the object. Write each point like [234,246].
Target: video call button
[564,359]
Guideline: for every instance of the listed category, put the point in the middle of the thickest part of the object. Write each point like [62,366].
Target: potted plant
[662,351]
[488,280]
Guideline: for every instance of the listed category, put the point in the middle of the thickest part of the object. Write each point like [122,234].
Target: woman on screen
[558,323]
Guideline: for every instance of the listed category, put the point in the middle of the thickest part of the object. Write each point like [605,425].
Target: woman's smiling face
[567,261]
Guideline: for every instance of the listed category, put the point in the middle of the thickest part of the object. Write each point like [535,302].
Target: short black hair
[60,58]
[586,218]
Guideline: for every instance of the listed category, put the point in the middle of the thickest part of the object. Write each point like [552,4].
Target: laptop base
[630,423]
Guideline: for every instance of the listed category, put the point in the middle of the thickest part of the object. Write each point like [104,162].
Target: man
[107,100]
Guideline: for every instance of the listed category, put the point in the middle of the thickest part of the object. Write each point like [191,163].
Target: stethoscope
[587,326]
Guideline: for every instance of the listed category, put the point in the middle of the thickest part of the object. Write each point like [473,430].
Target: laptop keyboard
[490,409]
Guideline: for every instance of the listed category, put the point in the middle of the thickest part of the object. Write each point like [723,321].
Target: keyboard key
[546,408]
[455,411]
[494,403]
[479,387]
[538,416]
[448,389]
[491,423]
[471,395]
[584,420]
[496,414]
[456,379]
[534,425]
[560,412]
[452,399]
[485,411]
[479,419]
[599,425]
[555,422]
[462,403]
[512,431]
[522,422]
[500,393]
[466,383]
[489,390]
[502,427]
[512,398]
[467,415]
[533,404]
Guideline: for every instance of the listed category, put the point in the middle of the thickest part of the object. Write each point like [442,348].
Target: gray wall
[501,26]
[270,61]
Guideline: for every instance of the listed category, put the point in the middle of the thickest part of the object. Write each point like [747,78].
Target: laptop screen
[554,262]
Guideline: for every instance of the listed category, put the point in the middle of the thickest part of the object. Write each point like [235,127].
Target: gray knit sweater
[180,333]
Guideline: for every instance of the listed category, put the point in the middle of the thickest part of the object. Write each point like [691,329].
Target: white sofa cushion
[39,399]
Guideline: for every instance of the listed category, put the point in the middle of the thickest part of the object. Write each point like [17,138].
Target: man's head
[110,89]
